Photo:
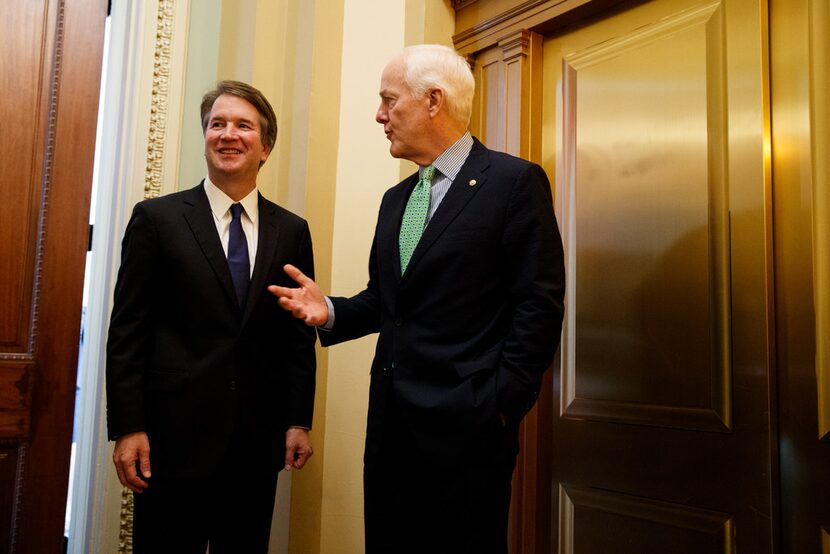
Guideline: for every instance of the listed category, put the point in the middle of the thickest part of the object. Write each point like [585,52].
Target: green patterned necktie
[415,217]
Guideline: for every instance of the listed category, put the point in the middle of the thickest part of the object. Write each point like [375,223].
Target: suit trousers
[231,509]
[415,502]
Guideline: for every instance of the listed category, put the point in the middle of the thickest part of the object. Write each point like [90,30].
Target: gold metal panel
[632,524]
[819,14]
[648,226]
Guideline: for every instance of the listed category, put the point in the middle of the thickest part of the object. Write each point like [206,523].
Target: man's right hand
[306,302]
[129,449]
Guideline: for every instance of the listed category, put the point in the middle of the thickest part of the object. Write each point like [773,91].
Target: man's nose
[229,131]
[380,115]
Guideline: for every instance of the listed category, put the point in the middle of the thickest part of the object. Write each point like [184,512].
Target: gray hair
[429,66]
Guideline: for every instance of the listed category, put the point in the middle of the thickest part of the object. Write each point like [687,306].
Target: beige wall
[363,171]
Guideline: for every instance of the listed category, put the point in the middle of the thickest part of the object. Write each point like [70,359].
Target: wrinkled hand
[306,302]
[297,448]
[129,449]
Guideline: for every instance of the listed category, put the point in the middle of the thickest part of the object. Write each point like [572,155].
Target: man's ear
[266,151]
[436,101]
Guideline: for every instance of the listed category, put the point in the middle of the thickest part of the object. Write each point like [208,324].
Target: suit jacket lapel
[269,233]
[200,219]
[460,193]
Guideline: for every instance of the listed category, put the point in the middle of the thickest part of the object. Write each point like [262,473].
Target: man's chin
[395,152]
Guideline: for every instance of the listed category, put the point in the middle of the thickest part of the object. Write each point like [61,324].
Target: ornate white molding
[159,99]
[125,531]
[153,176]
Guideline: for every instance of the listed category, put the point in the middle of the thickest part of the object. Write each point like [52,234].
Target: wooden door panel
[635,525]
[51,52]
[22,73]
[654,122]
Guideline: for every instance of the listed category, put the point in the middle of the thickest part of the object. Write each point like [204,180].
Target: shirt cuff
[329,324]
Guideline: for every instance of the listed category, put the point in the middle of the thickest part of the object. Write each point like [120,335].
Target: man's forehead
[392,76]
[228,105]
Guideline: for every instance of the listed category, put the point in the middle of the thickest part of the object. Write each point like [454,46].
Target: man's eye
[215,125]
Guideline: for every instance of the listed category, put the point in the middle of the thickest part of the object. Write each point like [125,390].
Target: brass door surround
[684,139]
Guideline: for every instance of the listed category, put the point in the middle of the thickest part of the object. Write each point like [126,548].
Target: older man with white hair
[466,286]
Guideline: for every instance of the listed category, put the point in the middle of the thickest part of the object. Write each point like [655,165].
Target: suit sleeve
[128,343]
[301,359]
[535,277]
[359,315]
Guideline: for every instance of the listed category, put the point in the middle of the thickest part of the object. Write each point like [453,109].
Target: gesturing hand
[306,302]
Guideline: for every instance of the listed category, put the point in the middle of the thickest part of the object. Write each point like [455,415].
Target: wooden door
[656,129]
[51,64]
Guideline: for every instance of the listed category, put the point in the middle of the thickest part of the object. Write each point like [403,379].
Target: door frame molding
[137,156]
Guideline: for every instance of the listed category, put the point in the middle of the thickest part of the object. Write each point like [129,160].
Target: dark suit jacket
[184,362]
[469,329]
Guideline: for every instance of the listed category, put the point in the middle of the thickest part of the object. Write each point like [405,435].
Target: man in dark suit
[209,382]
[466,285]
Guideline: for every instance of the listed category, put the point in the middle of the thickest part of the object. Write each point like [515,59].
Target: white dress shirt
[220,205]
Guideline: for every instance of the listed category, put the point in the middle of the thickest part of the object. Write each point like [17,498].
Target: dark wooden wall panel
[51,65]
[22,51]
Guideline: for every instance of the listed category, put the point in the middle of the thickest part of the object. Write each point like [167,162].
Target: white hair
[428,66]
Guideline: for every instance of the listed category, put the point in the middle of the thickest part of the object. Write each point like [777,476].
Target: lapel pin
[472,182]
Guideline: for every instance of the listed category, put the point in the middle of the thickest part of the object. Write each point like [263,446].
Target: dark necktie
[238,261]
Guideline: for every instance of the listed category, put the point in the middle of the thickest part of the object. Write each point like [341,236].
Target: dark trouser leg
[170,517]
[231,509]
[244,502]
[414,504]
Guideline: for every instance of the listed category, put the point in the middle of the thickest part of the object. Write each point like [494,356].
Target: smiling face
[233,141]
[406,119]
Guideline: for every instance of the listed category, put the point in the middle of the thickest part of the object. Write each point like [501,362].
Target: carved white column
[139,130]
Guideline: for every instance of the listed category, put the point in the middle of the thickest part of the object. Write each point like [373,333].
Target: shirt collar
[450,161]
[220,202]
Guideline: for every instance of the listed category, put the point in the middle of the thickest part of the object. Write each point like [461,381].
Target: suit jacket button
[233,385]
[398,322]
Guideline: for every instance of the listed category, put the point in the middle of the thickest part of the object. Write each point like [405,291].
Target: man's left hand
[297,448]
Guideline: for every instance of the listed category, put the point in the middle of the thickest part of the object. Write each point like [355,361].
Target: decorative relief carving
[125,531]
[159,100]
[48,160]
[458,4]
